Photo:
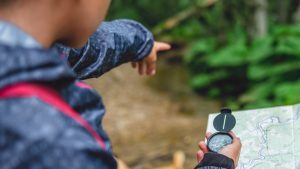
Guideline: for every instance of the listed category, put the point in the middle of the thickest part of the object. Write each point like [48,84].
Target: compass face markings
[217,142]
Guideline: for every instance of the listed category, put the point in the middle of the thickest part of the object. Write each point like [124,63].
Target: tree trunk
[282,9]
[260,18]
[296,16]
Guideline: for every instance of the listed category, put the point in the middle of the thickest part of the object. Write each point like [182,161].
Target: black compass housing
[223,123]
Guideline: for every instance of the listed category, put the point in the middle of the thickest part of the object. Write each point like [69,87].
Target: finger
[208,134]
[200,156]
[141,67]
[203,146]
[232,134]
[151,66]
[133,64]
[237,142]
[199,144]
[161,46]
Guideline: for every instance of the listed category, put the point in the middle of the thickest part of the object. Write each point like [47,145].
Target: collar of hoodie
[11,35]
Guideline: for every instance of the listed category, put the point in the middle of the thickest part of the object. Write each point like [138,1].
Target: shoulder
[30,114]
[32,119]
[36,135]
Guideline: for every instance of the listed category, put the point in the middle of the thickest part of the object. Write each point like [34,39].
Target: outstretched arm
[113,43]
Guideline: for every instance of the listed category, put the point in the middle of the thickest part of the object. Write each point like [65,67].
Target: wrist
[217,160]
[145,50]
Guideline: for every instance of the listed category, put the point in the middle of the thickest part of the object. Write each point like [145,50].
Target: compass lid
[225,121]
[226,110]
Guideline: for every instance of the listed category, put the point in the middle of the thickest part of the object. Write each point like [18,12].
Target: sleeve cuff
[147,50]
[216,160]
[145,37]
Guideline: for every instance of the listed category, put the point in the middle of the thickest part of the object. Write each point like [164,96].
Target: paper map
[270,137]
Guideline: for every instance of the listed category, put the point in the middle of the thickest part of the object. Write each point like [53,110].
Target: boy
[49,119]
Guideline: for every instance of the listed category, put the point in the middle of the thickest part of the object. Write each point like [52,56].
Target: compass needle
[224,122]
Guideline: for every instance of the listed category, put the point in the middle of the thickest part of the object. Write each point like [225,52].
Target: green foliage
[147,12]
[223,58]
[232,55]
[262,73]
[189,30]
[287,92]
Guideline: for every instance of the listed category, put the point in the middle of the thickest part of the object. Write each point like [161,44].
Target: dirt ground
[147,124]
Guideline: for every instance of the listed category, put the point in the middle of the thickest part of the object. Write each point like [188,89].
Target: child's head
[70,22]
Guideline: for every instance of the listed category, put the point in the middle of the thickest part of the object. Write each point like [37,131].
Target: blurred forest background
[245,54]
[235,53]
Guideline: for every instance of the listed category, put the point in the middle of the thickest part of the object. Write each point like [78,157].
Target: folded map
[270,137]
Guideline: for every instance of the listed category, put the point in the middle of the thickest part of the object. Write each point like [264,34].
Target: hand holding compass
[223,142]
[223,123]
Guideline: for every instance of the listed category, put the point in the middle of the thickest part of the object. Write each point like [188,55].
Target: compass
[223,123]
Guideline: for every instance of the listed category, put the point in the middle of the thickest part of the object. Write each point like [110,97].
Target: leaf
[286,30]
[258,92]
[287,93]
[199,48]
[259,72]
[204,80]
[261,49]
[263,103]
[234,54]
[214,92]
[288,45]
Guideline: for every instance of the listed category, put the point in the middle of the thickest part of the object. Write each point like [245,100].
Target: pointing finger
[161,46]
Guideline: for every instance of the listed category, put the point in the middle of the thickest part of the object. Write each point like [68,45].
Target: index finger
[232,134]
[162,46]
[235,138]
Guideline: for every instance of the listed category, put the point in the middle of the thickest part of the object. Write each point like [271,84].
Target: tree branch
[177,19]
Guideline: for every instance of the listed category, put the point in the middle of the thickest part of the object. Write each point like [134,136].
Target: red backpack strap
[51,97]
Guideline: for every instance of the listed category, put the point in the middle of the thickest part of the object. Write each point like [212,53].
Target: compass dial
[219,140]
